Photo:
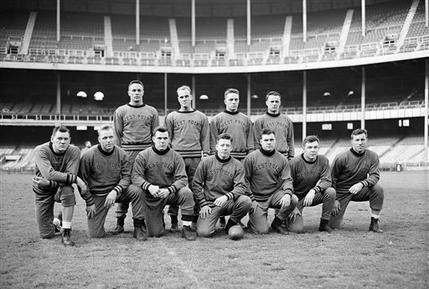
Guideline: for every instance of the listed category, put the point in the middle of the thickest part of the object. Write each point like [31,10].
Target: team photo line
[228,167]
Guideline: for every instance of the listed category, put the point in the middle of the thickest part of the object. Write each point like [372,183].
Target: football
[236,232]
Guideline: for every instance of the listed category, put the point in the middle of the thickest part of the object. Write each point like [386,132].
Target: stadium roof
[178,8]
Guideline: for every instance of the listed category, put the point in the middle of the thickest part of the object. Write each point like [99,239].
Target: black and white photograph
[214,144]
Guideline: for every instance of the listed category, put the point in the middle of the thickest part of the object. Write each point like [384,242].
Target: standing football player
[133,126]
[281,124]
[190,137]
[355,174]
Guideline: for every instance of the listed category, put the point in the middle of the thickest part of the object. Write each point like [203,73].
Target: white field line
[183,266]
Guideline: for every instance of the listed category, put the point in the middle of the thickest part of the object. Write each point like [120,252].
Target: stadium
[339,65]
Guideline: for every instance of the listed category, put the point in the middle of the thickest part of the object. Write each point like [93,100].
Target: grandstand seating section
[83,31]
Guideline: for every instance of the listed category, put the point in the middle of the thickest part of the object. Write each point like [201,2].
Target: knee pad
[245,201]
[379,190]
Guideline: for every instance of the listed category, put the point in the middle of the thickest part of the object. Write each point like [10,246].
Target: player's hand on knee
[110,199]
[285,201]
[205,211]
[221,201]
[90,211]
[308,200]
[336,209]
[295,213]
[356,188]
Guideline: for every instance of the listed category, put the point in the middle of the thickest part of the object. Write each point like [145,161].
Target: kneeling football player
[107,171]
[220,189]
[270,184]
[160,172]
[312,185]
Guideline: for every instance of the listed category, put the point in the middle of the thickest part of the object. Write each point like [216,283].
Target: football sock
[186,223]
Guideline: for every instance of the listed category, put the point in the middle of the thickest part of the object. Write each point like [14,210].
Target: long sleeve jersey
[58,168]
[215,177]
[239,126]
[134,125]
[282,125]
[105,171]
[266,173]
[350,168]
[189,132]
[310,175]
[165,169]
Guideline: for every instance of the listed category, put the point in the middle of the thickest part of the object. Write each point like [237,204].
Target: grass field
[349,258]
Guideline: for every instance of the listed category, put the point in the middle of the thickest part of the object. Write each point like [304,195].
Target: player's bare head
[231,99]
[106,137]
[184,96]
[160,138]
[310,139]
[359,138]
[310,147]
[268,140]
[224,145]
[103,128]
[135,82]
[136,92]
[60,138]
[273,101]
[359,131]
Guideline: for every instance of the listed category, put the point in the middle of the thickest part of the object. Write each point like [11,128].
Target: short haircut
[135,82]
[231,90]
[224,136]
[60,128]
[267,131]
[310,138]
[184,87]
[159,129]
[272,92]
[359,131]
[104,127]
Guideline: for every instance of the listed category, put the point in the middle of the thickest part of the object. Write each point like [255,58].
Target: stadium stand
[85,41]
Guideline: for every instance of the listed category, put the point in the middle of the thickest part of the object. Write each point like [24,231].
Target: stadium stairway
[407,23]
[345,32]
[174,39]
[392,147]
[28,32]
[108,39]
